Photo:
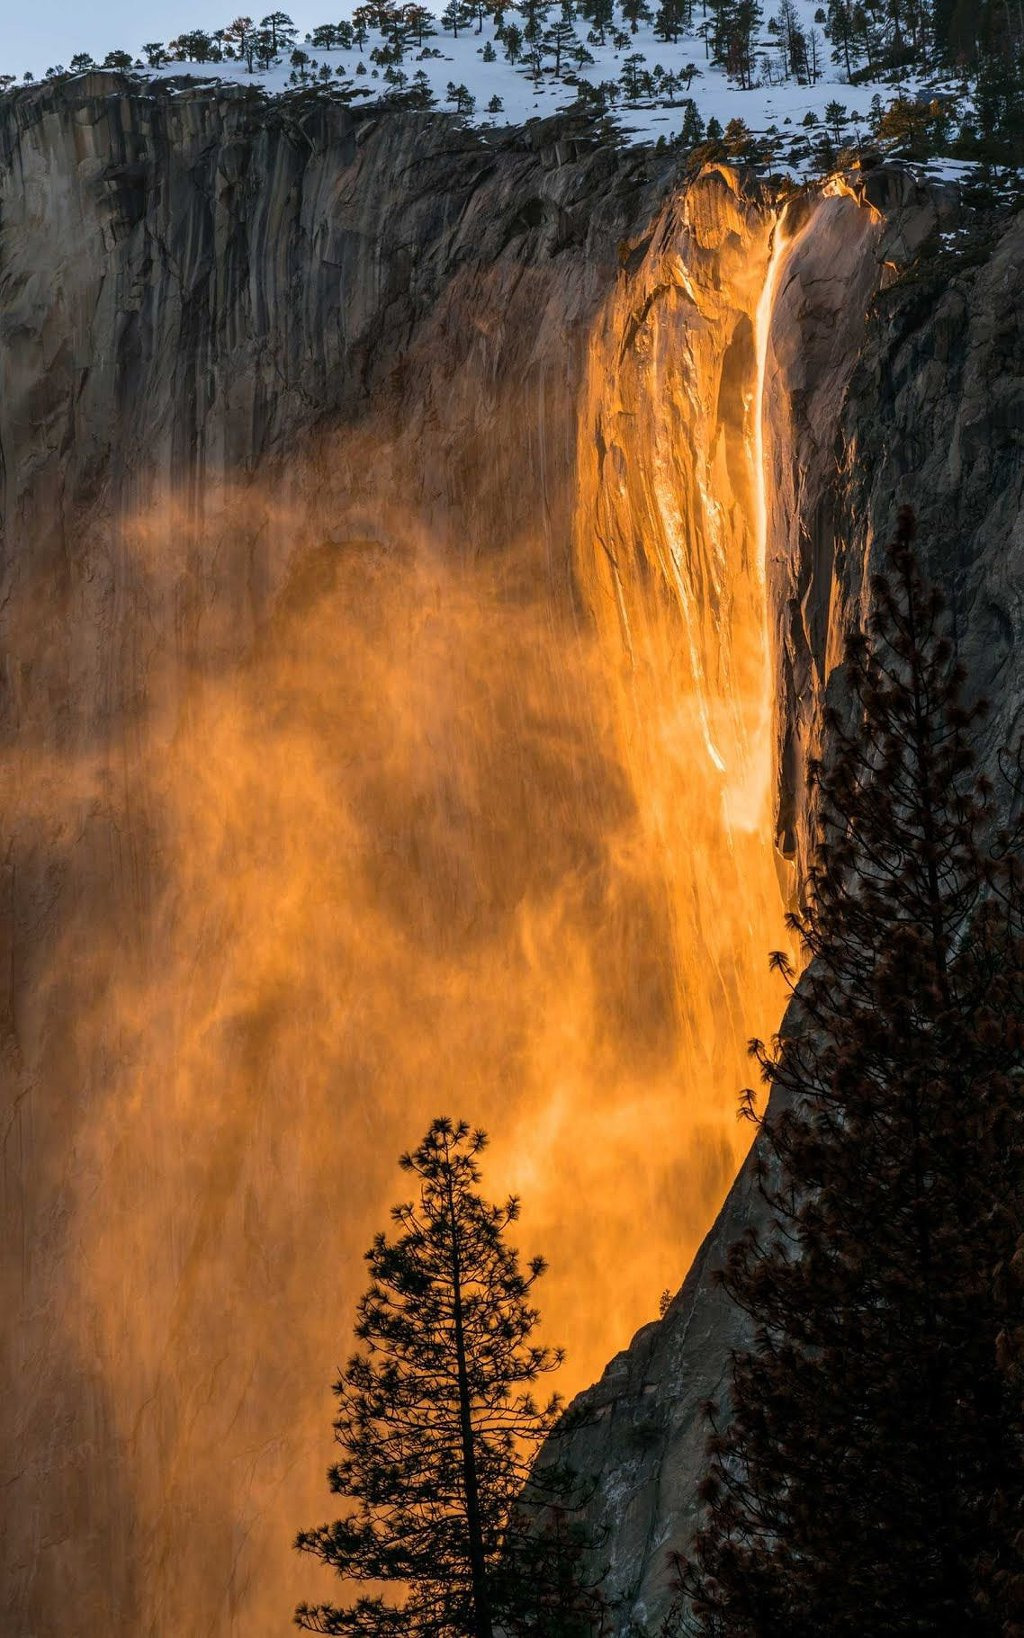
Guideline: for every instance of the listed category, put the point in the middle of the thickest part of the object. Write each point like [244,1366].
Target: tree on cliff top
[867,1475]
[438,1429]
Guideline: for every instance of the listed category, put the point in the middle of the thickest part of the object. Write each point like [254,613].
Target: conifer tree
[438,1429]
[669,20]
[866,1476]
[558,41]
[692,130]
[842,32]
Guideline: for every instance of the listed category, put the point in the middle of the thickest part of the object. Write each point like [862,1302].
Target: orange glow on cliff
[444,843]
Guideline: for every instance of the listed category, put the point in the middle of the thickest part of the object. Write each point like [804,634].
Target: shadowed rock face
[236,344]
[192,282]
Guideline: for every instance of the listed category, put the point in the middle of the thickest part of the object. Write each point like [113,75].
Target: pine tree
[418,24]
[636,12]
[438,1429]
[867,1474]
[462,97]
[239,37]
[635,78]
[513,41]
[558,41]
[793,40]
[669,20]
[692,130]
[999,104]
[456,15]
[282,30]
[735,27]
[835,116]
[602,17]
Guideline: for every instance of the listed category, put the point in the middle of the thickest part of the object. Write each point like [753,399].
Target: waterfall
[337,809]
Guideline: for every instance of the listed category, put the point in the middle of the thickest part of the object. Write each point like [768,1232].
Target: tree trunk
[482,1625]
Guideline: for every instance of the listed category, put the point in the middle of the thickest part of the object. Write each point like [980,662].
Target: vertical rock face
[855,241]
[935,416]
[385,698]
[321,807]
[668,536]
[269,387]
[193,282]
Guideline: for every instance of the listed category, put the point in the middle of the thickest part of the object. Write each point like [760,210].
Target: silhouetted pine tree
[438,1428]
[867,1475]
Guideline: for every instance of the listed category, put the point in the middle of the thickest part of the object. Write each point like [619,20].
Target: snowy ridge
[650,84]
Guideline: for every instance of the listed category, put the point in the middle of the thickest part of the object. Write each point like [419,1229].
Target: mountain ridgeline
[426,559]
[795,90]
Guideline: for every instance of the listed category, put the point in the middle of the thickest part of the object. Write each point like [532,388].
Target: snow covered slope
[501,92]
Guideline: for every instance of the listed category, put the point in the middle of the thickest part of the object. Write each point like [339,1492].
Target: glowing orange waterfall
[671,546]
[780,246]
[443,843]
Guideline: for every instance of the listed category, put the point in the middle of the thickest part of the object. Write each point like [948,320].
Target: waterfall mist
[399,824]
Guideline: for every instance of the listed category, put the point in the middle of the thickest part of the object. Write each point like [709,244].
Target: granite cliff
[242,348]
